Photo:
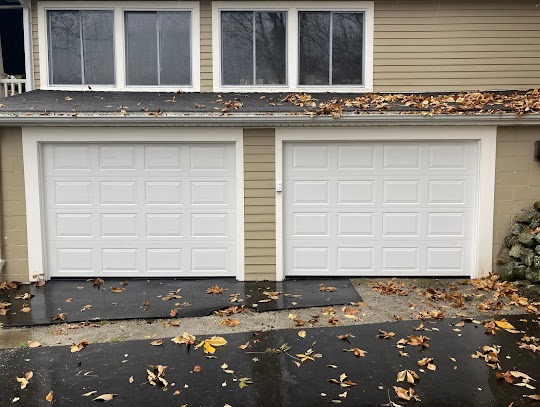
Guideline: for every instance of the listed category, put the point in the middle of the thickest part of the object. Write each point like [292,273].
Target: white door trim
[33,137]
[487,143]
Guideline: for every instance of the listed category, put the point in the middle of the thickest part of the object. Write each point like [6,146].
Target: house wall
[13,208]
[35,44]
[430,45]
[260,204]
[517,178]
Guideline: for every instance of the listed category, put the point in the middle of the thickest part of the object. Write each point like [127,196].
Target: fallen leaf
[230,322]
[215,289]
[157,342]
[26,309]
[77,347]
[533,396]
[173,312]
[186,339]
[302,334]
[504,324]
[50,396]
[323,287]
[25,379]
[34,344]
[105,397]
[131,379]
[385,335]
[89,393]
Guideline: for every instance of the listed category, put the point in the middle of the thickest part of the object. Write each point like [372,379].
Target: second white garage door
[393,209]
[140,209]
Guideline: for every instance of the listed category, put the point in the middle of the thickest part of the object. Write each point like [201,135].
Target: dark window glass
[331,48]
[81,47]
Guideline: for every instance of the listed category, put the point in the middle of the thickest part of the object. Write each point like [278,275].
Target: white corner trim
[292,9]
[118,8]
[34,137]
[486,136]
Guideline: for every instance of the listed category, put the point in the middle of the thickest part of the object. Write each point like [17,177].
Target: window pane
[65,47]
[347,48]
[141,48]
[175,48]
[314,48]
[98,47]
[237,48]
[271,48]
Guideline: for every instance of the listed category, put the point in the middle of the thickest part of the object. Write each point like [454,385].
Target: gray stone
[533,292]
[537,249]
[515,251]
[503,256]
[511,240]
[516,229]
[506,272]
[533,275]
[521,283]
[519,271]
[538,238]
[537,205]
[527,255]
[536,262]
[527,216]
[527,239]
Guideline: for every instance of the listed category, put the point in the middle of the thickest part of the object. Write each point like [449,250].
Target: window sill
[297,89]
[165,89]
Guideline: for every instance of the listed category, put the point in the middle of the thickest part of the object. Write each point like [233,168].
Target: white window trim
[292,9]
[34,137]
[119,7]
[487,143]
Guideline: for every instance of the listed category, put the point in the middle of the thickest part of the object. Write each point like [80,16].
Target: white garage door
[392,209]
[140,209]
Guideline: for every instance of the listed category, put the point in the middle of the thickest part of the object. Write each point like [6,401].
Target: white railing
[11,86]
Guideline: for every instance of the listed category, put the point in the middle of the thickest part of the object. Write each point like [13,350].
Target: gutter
[259,120]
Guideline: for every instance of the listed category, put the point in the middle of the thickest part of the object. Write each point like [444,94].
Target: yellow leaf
[217,341]
[49,397]
[208,348]
[302,334]
[504,324]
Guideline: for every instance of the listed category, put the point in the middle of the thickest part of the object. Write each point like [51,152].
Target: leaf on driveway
[25,379]
[105,397]
[50,396]
[77,347]
[157,342]
[325,288]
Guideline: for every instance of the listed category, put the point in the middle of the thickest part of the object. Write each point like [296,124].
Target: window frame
[120,74]
[293,43]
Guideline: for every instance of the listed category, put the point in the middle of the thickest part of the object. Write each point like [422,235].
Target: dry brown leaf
[245,346]
[302,334]
[230,322]
[89,393]
[131,379]
[50,396]
[77,347]
[34,344]
[25,379]
[385,335]
[105,397]
[215,289]
[157,342]
[323,287]
[186,339]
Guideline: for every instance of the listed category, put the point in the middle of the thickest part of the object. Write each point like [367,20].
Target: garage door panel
[140,209]
[389,208]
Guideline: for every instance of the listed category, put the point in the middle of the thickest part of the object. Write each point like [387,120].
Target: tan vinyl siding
[259,205]
[517,178]
[206,46]
[35,44]
[427,45]
[13,207]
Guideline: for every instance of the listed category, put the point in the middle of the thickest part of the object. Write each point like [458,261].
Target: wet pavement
[459,380]
[141,298]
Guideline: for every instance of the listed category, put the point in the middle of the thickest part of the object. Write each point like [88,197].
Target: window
[81,48]
[253,48]
[158,48]
[331,48]
[300,46]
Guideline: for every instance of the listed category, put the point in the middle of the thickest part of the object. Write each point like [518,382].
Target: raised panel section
[123,260]
[73,225]
[163,225]
[77,260]
[167,157]
[73,193]
[169,260]
[396,192]
[208,260]
[400,224]
[350,157]
[118,193]
[208,158]
[444,156]
[209,225]
[118,225]
[163,193]
[400,259]
[447,192]
[310,192]
[117,157]
[352,259]
[310,259]
[308,157]
[355,224]
[310,224]
[441,259]
[355,192]
[209,193]
[446,224]
[71,157]
[401,156]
